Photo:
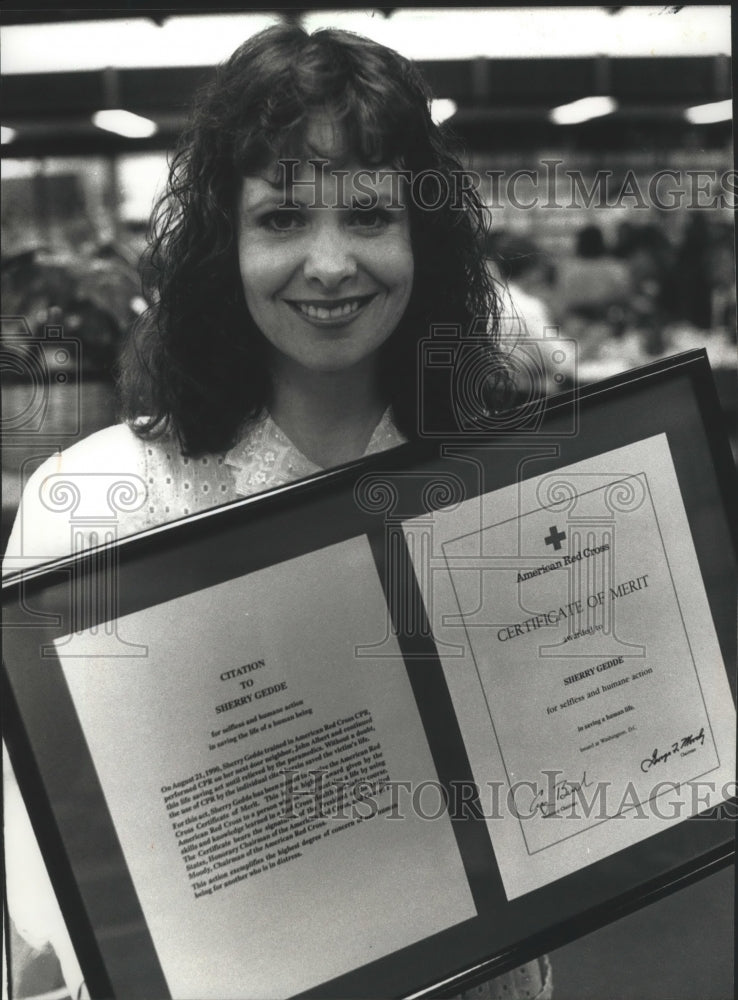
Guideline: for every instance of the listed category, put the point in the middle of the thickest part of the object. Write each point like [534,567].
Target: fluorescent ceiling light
[124,123]
[430,33]
[582,110]
[7,134]
[126,43]
[441,108]
[534,32]
[705,114]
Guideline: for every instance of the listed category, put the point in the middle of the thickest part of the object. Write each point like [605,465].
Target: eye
[283,220]
[369,218]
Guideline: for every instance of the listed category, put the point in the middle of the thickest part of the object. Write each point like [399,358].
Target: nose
[329,260]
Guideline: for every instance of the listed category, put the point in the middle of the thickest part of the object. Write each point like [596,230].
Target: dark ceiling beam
[515,83]
[54,11]
[478,130]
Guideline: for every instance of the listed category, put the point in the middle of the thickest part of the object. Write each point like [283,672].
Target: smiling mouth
[332,309]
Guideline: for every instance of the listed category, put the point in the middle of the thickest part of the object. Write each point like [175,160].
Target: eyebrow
[300,194]
[375,199]
[275,185]
[275,194]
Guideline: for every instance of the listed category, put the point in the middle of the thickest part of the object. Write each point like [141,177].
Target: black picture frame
[56,770]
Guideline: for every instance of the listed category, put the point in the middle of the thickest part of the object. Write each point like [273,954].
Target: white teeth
[320,312]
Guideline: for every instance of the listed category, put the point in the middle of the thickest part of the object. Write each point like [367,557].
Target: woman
[290,295]
[293,276]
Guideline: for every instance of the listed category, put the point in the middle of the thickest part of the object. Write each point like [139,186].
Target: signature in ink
[680,747]
[559,795]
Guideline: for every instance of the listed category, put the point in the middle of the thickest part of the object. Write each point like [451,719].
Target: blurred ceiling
[88,10]
[503,101]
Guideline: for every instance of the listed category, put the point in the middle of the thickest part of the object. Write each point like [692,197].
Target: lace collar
[265,457]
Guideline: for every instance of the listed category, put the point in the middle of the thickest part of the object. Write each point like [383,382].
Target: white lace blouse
[113,484]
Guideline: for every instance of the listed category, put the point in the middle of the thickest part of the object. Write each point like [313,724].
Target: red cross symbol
[555,537]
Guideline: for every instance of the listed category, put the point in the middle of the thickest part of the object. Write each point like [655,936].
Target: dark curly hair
[195,365]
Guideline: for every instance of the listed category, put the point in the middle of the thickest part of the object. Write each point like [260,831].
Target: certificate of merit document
[258,877]
[572,622]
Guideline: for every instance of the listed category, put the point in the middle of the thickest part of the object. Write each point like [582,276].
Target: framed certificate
[398,728]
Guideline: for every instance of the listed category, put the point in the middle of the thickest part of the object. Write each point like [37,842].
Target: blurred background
[602,137]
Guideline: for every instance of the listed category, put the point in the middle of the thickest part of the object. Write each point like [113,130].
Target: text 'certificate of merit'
[577,642]
[249,891]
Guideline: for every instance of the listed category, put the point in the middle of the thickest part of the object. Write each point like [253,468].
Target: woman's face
[326,262]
